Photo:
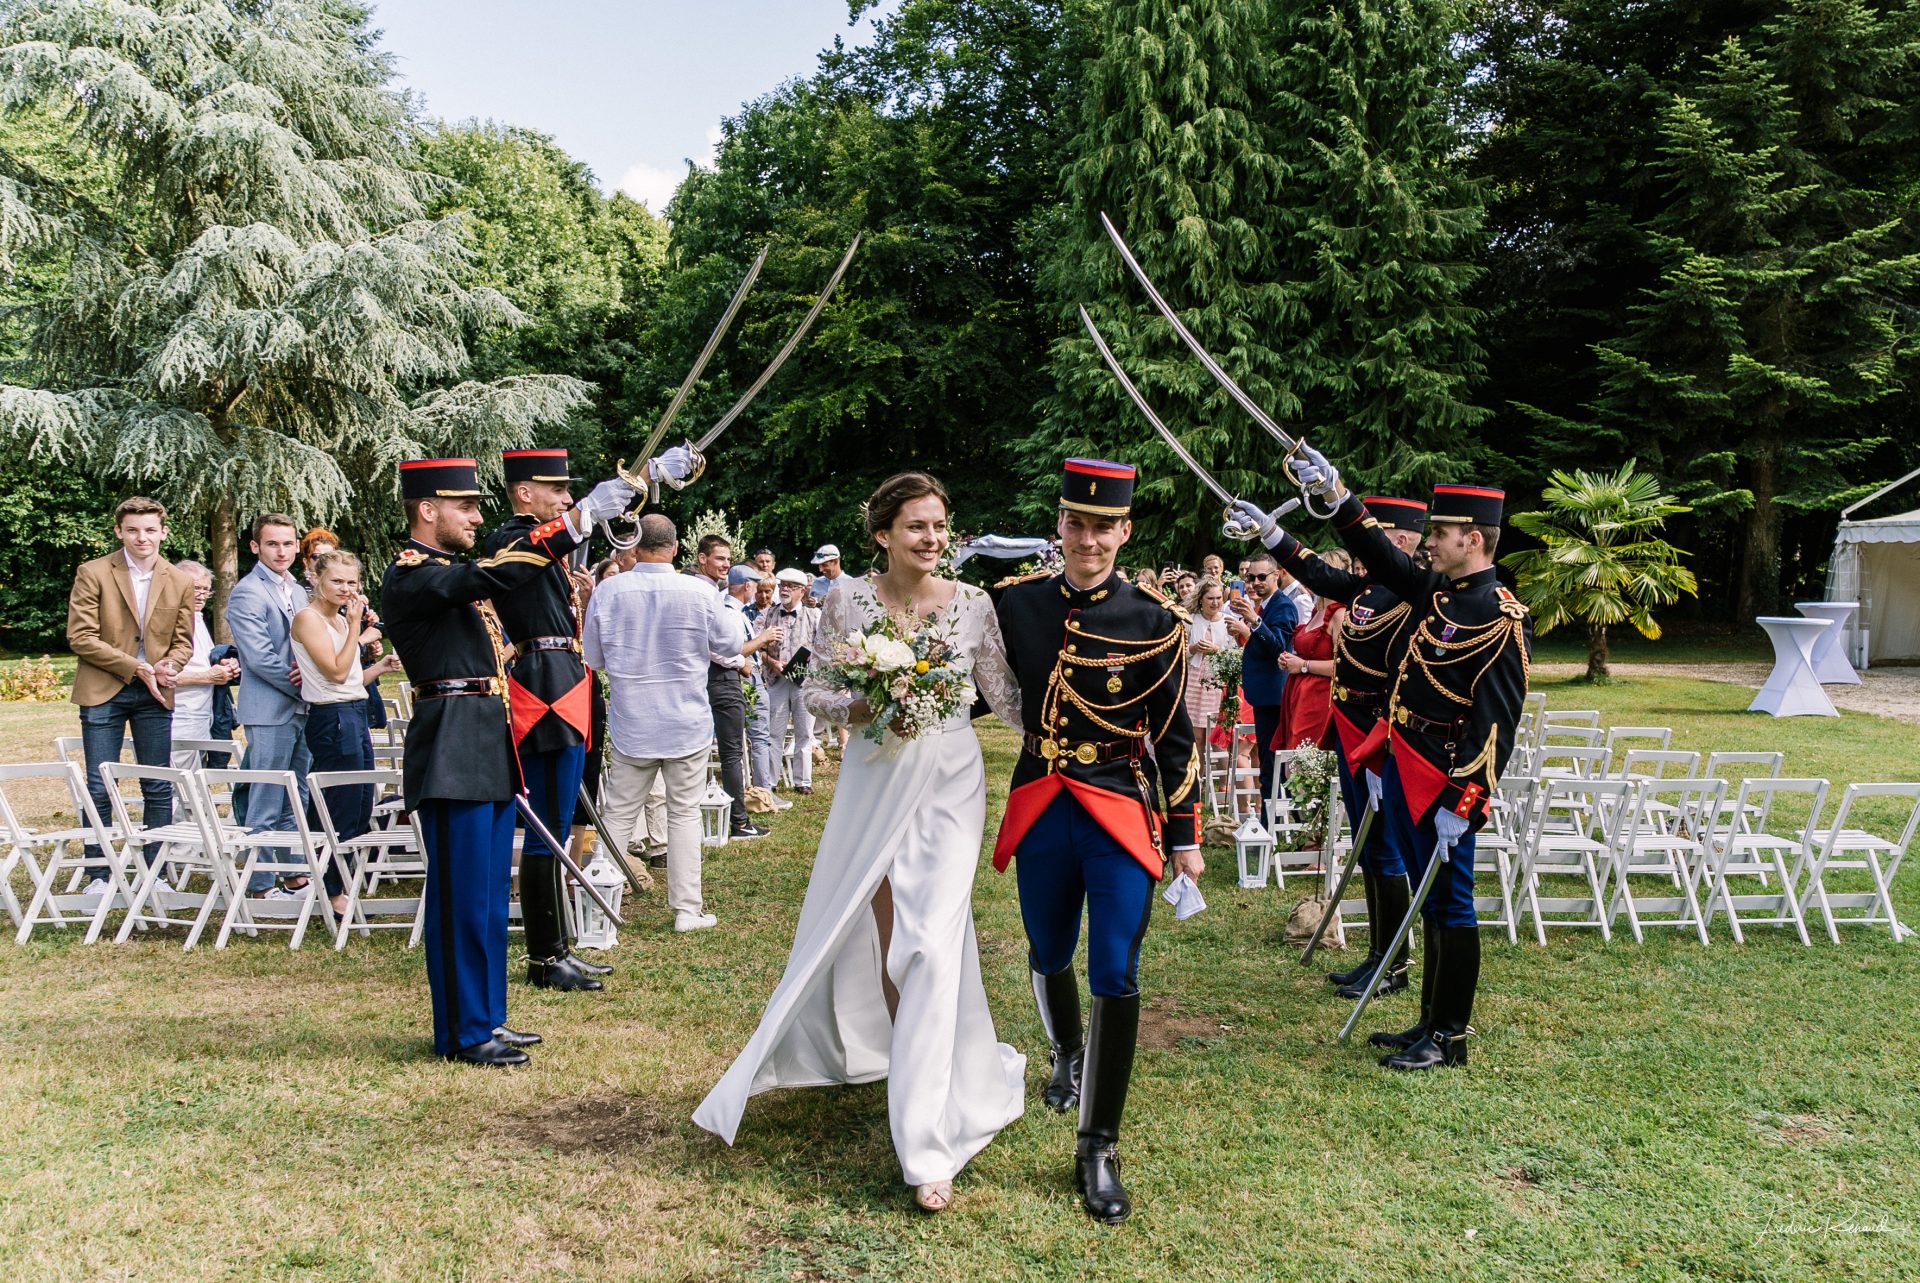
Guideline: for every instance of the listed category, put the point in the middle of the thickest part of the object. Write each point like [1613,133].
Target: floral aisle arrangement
[905,671]
[1309,779]
[1225,664]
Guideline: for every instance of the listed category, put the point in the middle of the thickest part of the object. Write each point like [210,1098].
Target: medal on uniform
[1361,614]
[1113,676]
[1446,634]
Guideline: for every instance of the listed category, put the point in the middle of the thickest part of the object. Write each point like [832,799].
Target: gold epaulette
[410,557]
[1178,611]
[1029,577]
[1510,606]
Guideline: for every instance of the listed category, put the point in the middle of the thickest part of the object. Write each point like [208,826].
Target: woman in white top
[884,977]
[1206,637]
[326,645]
[193,688]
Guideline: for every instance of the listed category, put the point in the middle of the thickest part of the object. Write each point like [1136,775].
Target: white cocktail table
[1831,667]
[1791,689]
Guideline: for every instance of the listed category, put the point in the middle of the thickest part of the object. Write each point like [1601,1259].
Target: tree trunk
[1759,590]
[223,539]
[1597,653]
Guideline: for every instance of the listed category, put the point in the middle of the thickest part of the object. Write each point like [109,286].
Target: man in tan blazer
[130,624]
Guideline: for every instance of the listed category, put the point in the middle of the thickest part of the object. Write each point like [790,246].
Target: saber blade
[538,828]
[1224,379]
[1346,875]
[659,432]
[1140,402]
[786,350]
[618,857]
[1405,929]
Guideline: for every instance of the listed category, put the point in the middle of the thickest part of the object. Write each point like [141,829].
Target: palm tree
[1601,562]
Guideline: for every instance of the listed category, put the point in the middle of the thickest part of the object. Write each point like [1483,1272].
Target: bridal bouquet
[906,675]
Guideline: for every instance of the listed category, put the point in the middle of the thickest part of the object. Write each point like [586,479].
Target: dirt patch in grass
[1164,1024]
[606,1124]
[1796,1129]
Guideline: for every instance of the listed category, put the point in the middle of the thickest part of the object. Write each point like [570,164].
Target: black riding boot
[1429,967]
[1446,1040]
[1390,901]
[1111,1035]
[1376,938]
[540,910]
[1058,997]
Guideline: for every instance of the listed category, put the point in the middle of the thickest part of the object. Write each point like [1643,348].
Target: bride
[884,977]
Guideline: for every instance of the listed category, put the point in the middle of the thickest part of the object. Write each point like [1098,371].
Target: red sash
[1124,818]
[1364,750]
[575,708]
[1421,782]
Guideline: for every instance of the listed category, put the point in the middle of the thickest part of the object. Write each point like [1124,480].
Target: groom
[1102,667]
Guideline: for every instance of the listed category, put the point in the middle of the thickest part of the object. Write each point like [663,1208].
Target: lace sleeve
[830,703]
[992,674]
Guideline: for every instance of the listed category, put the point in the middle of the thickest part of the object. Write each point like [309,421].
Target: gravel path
[1890,692]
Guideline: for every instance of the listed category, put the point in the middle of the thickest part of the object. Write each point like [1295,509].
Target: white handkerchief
[1184,896]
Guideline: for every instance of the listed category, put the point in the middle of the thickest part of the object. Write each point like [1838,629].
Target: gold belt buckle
[1400,714]
[1085,754]
[1049,750]
[493,685]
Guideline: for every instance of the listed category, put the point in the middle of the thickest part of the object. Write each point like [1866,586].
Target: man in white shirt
[654,634]
[785,667]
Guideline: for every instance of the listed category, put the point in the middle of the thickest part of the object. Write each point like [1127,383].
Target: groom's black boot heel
[1058,997]
[1103,1098]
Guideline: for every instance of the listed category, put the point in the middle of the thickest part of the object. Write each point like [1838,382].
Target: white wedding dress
[910,811]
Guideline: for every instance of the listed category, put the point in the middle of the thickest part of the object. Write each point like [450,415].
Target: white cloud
[652,185]
[713,141]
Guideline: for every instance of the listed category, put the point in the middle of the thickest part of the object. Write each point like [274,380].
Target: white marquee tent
[1877,563]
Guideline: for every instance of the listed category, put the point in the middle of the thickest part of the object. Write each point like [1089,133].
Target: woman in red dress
[1306,709]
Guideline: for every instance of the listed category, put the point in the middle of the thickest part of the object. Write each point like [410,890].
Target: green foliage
[262,316]
[31,681]
[1600,562]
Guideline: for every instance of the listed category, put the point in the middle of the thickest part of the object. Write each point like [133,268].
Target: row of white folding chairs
[1606,833]
[199,861]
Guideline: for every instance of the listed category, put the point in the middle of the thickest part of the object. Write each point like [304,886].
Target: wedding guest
[260,616]
[320,540]
[1207,636]
[1306,711]
[785,666]
[1211,567]
[726,676]
[765,594]
[826,565]
[1263,625]
[130,626]
[193,688]
[1301,595]
[1184,583]
[1148,578]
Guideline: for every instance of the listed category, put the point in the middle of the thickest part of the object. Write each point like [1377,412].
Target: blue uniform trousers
[1378,857]
[1450,901]
[1065,860]
[469,861]
[553,787]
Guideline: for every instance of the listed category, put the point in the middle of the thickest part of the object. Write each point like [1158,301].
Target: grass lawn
[1648,1112]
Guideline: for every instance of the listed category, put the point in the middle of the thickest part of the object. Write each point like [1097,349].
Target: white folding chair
[1621,738]
[391,850]
[1669,841]
[403,697]
[1659,764]
[1569,717]
[187,845]
[1601,815]
[1750,840]
[1571,762]
[55,792]
[1290,820]
[1572,737]
[285,853]
[395,733]
[1508,815]
[1842,846]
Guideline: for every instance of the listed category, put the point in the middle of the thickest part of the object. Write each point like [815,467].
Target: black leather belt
[531,644]
[457,686]
[1371,700]
[1085,752]
[1427,725]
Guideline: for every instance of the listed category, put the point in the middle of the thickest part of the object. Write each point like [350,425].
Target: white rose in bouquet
[889,655]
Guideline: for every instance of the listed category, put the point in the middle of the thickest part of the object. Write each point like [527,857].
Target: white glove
[1373,788]
[1246,520]
[608,499]
[1315,475]
[676,467]
[1450,827]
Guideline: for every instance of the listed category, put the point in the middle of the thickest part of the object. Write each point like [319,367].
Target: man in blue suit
[1264,628]
[260,616]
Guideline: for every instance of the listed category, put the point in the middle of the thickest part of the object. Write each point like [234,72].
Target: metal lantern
[1252,839]
[716,816]
[594,929]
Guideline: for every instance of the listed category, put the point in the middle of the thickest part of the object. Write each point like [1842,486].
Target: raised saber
[1360,833]
[1442,853]
[786,350]
[706,354]
[538,827]
[1166,433]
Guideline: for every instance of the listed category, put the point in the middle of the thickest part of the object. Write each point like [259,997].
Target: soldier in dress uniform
[551,700]
[1101,666]
[460,773]
[1366,658]
[1451,716]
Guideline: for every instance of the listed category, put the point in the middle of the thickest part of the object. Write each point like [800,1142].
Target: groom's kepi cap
[1097,487]
[440,479]
[1397,514]
[535,465]
[1467,505]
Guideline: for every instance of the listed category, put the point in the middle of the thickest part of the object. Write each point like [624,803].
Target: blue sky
[635,88]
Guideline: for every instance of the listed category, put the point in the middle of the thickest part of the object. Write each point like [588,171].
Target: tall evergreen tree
[261,317]
[1175,146]
[1382,236]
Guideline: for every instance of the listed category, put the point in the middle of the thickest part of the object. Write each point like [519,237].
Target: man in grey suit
[260,615]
